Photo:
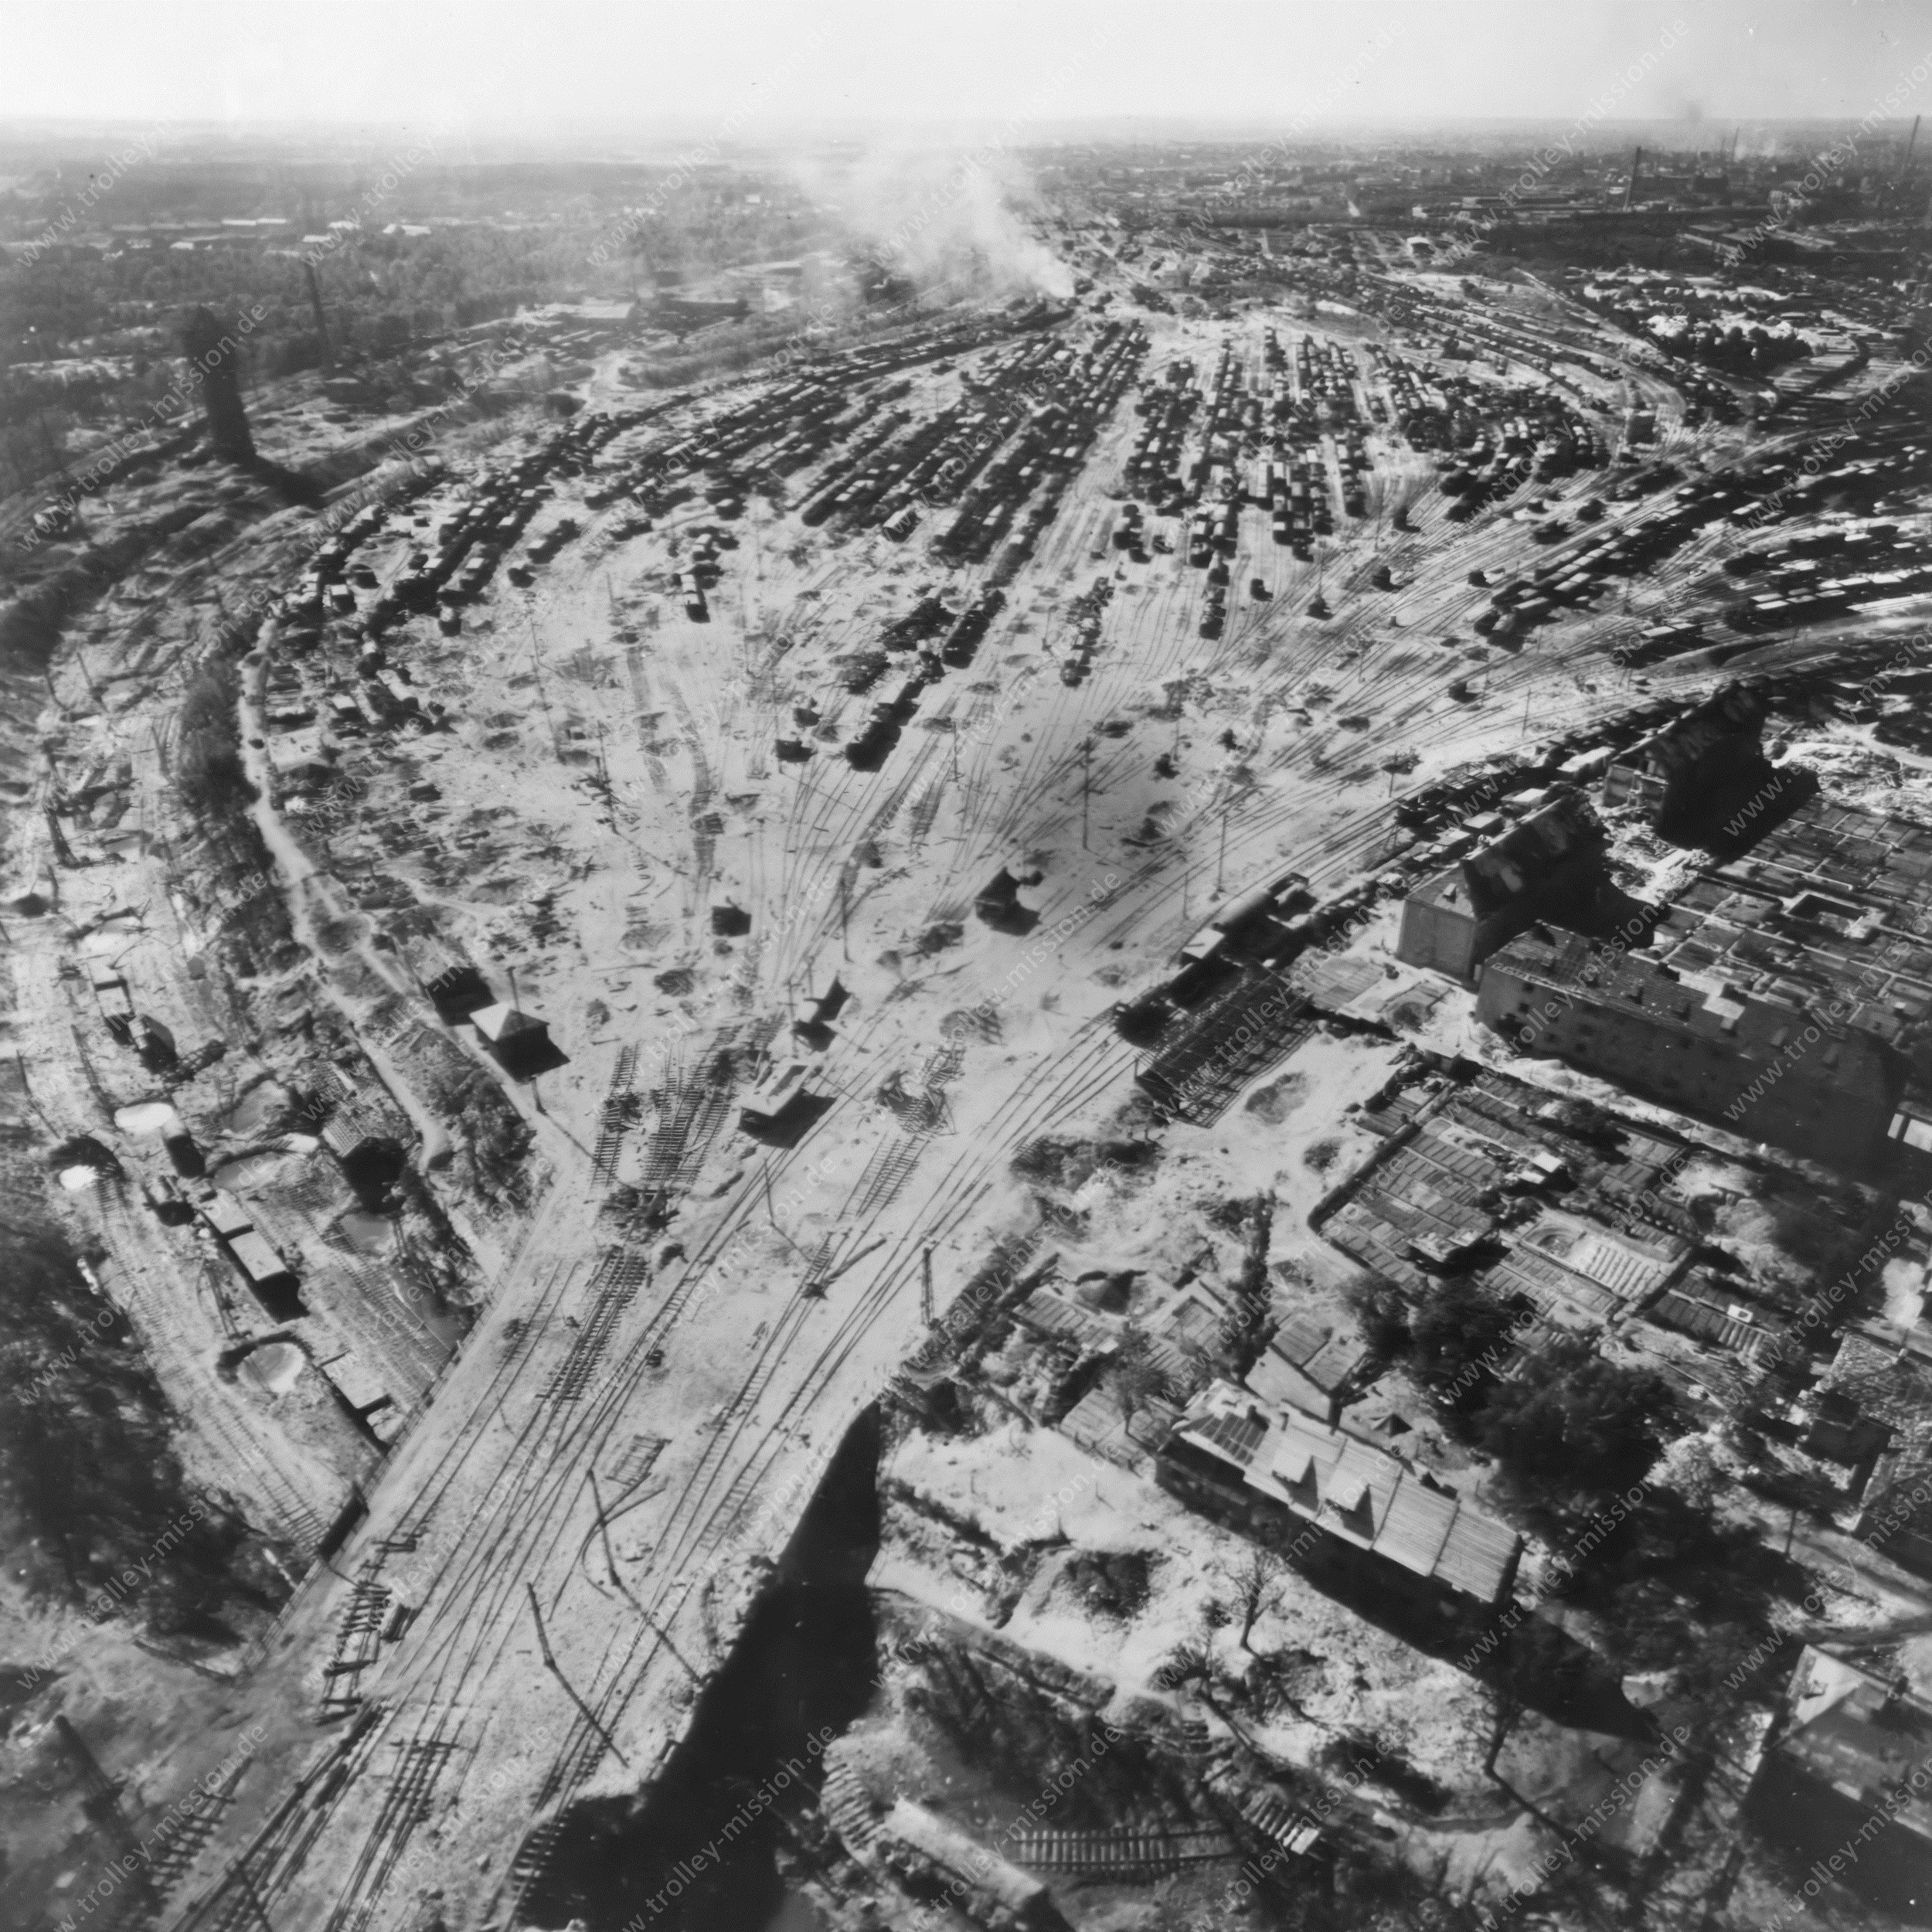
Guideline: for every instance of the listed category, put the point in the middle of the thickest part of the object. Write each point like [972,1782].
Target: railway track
[513,1526]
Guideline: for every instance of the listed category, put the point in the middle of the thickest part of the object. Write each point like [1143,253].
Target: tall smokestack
[1636,161]
[321,321]
[215,354]
[1912,141]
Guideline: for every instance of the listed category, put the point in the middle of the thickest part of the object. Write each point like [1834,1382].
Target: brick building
[1549,865]
[1708,760]
[1766,1066]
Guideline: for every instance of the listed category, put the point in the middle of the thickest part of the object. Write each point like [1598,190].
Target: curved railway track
[530,1499]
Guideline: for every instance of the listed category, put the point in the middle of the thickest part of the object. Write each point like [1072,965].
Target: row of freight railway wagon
[1238,421]
[456,560]
[1026,422]
[1739,500]
[799,420]
[919,631]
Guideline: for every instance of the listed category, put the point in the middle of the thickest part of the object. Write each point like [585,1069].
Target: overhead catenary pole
[542,697]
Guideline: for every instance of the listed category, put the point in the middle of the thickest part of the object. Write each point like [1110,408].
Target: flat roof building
[1768,1067]
[1831,905]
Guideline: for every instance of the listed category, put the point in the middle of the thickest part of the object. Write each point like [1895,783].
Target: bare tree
[1134,1377]
[1257,1588]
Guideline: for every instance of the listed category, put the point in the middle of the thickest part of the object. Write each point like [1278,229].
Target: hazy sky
[736,65]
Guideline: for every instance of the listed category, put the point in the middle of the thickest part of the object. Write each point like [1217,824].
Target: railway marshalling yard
[716,785]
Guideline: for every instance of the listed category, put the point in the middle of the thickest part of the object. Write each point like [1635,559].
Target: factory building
[1549,866]
[1768,1067]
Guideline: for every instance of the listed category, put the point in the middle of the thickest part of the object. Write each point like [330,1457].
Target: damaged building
[1590,1221]
[1785,994]
[1829,908]
[1548,866]
[1706,761]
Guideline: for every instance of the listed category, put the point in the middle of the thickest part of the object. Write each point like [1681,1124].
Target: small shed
[269,1276]
[520,1041]
[371,1158]
[226,1216]
[457,991]
[783,1107]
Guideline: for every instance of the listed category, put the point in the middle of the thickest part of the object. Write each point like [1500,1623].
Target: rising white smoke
[957,218]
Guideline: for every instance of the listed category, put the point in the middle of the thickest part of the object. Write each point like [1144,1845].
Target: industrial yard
[1100,1100]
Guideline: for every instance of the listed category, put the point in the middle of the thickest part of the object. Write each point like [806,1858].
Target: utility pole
[926,1287]
[1086,772]
[542,696]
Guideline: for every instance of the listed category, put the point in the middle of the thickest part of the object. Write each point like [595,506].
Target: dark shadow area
[1731,818]
[457,992]
[304,493]
[528,1054]
[372,1167]
[90,1480]
[1507,1646]
[1803,1826]
[790,1123]
[1616,915]
[998,904]
[698,1853]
